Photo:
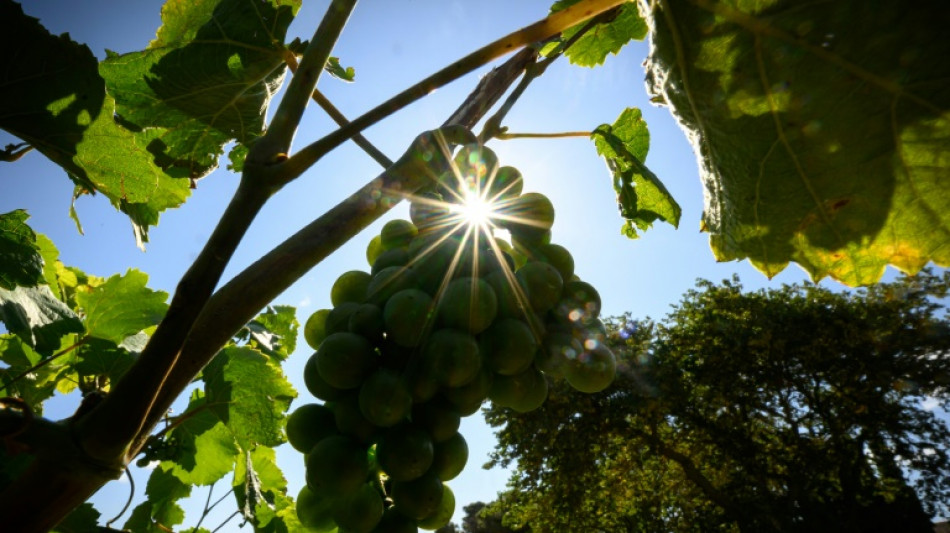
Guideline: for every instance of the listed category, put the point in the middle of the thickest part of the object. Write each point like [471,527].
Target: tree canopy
[789,409]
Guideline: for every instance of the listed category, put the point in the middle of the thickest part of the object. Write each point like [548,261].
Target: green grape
[373,249]
[418,498]
[522,392]
[529,214]
[579,303]
[443,513]
[559,346]
[308,425]
[512,300]
[336,466]
[469,397]
[367,321]
[388,282]
[314,331]
[450,457]
[593,370]
[428,211]
[506,183]
[397,233]
[452,356]
[315,512]
[438,417]
[468,304]
[338,319]
[350,287]
[317,385]
[405,452]
[558,257]
[384,398]
[508,346]
[350,420]
[407,316]
[392,257]
[435,259]
[476,164]
[542,285]
[345,359]
[361,511]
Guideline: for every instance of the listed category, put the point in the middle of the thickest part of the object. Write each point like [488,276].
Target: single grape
[350,287]
[314,330]
[308,425]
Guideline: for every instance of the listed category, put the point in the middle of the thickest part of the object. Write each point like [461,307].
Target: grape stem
[492,127]
[128,474]
[340,119]
[551,25]
[505,136]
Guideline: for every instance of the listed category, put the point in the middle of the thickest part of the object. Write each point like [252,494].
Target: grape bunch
[449,315]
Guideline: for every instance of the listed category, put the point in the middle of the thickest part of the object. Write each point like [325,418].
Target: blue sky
[393,44]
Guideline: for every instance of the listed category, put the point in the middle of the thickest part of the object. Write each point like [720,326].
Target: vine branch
[493,125]
[237,302]
[281,130]
[107,430]
[505,136]
[539,31]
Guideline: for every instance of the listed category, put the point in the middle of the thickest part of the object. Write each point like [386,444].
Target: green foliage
[641,196]
[20,261]
[604,38]
[230,52]
[820,130]
[778,99]
[121,307]
[778,410]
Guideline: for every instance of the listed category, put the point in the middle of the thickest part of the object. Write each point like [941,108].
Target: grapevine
[449,315]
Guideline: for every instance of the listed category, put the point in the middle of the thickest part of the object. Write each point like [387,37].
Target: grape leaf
[103,358]
[338,71]
[258,484]
[34,387]
[274,332]
[207,78]
[821,129]
[205,450]
[161,510]
[592,48]
[122,306]
[52,96]
[35,315]
[50,256]
[249,395]
[82,519]
[21,263]
[641,196]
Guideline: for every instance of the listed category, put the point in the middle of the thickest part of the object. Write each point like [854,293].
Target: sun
[474,209]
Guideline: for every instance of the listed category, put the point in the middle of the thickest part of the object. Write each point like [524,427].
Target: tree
[480,518]
[792,409]
[142,128]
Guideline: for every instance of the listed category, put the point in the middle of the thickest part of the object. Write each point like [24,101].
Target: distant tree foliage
[794,409]
[481,518]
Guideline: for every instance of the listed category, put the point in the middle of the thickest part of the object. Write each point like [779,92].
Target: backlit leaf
[204,446]
[641,196]
[592,48]
[21,263]
[206,79]
[249,395]
[37,316]
[52,96]
[821,129]
[122,306]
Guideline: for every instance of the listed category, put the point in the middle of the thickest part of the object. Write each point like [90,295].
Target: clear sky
[392,44]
